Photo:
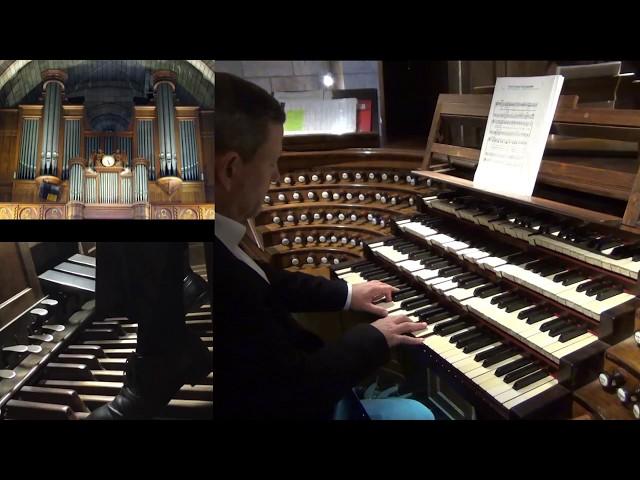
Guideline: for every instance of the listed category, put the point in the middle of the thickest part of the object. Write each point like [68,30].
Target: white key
[596,307]
[575,344]
[410,265]
[441,239]
[531,393]
[444,286]
[491,262]
[434,280]
[390,254]
[512,394]
[454,359]
[457,245]
[480,374]
[474,254]
[461,294]
[439,343]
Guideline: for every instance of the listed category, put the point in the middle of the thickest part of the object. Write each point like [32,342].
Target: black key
[576,332]
[441,316]
[507,300]
[561,277]
[513,376]
[555,331]
[450,271]
[553,323]
[552,269]
[420,311]
[421,255]
[452,329]
[410,249]
[499,298]
[417,303]
[598,288]
[529,379]
[438,264]
[425,312]
[530,311]
[498,357]
[478,344]
[397,283]
[487,291]
[510,367]
[535,266]
[463,277]
[365,268]
[517,305]
[456,321]
[403,296]
[538,317]
[584,286]
[578,277]
[608,293]
[466,335]
[492,351]
[378,276]
[474,282]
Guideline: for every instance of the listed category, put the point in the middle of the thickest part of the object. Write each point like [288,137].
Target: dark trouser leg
[208,252]
[150,288]
[111,298]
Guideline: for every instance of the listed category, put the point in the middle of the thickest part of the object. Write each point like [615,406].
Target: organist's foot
[152,380]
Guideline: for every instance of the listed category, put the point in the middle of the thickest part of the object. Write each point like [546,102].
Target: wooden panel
[541,203]
[206,137]
[182,212]
[19,285]
[24,191]
[8,145]
[190,192]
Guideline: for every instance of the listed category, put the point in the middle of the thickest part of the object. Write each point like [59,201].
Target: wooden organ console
[531,303]
[160,168]
[58,360]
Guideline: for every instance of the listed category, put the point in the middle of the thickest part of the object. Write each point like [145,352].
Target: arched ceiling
[108,87]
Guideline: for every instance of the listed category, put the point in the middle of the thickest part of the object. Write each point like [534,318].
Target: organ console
[58,358]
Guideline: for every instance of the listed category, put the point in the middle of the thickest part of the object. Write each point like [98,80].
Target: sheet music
[519,121]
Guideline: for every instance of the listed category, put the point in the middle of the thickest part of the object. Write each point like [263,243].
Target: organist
[267,366]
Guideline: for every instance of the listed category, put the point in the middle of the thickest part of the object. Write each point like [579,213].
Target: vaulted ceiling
[108,87]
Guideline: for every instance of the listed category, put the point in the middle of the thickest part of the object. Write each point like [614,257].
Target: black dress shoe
[195,290]
[152,380]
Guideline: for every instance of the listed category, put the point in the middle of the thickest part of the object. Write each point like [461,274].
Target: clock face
[108,161]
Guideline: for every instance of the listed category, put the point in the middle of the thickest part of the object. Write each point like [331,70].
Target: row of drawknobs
[322,216]
[330,239]
[616,382]
[333,177]
[295,261]
[327,196]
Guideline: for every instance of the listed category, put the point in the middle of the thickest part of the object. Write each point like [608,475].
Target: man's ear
[227,169]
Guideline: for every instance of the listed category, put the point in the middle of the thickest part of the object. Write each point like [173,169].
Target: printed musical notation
[519,121]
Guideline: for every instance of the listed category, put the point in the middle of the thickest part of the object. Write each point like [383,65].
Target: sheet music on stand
[518,125]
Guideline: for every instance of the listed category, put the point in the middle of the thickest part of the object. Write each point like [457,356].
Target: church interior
[531,302]
[112,139]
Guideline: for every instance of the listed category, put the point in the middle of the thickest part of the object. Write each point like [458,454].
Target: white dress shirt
[230,233]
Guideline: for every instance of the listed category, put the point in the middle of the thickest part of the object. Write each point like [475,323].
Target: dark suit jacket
[265,364]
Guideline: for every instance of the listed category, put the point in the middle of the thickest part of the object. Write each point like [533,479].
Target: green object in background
[295,121]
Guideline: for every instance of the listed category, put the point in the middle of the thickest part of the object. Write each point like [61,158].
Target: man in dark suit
[150,283]
[267,365]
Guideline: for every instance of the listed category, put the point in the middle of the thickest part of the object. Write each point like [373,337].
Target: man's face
[260,171]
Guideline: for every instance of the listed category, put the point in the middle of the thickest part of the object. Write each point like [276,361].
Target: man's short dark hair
[242,112]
